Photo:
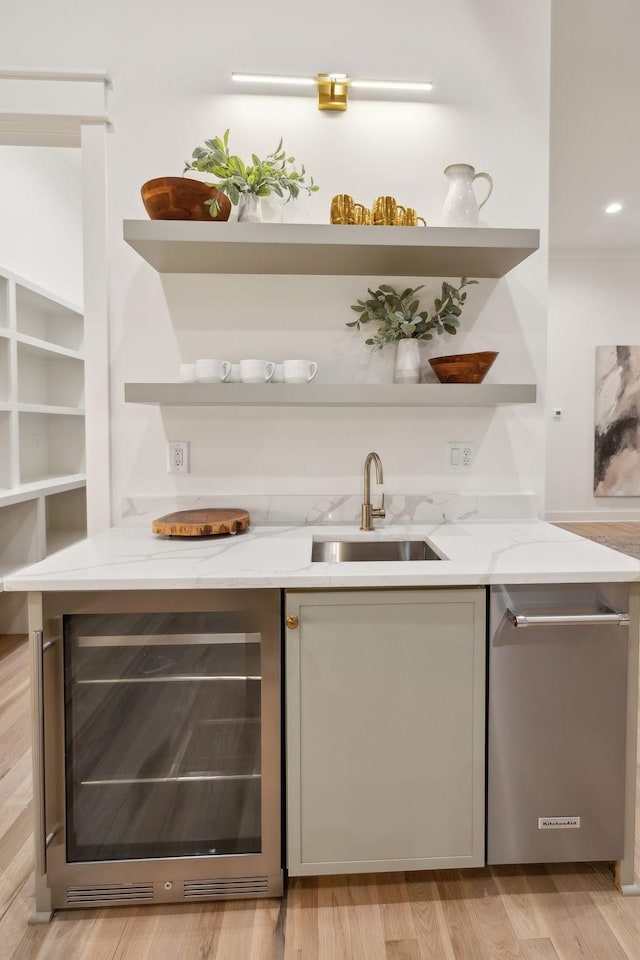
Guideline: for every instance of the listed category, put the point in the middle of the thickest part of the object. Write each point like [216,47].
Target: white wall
[490,63]
[592,302]
[41,217]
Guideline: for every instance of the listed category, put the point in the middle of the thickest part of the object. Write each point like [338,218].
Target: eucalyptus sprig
[275,174]
[399,317]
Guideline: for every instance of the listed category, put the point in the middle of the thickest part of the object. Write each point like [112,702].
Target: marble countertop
[474,552]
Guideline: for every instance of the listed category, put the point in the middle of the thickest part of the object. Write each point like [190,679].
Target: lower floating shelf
[331,394]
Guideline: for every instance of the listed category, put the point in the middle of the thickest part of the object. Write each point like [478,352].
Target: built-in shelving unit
[330,394]
[42,478]
[178,246]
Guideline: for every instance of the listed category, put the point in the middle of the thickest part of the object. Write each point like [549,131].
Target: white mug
[299,371]
[256,371]
[278,374]
[187,372]
[212,371]
[234,375]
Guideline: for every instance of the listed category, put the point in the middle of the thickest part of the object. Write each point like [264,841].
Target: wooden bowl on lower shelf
[463,367]
[179,198]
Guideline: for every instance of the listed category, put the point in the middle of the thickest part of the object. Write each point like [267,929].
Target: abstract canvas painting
[617,428]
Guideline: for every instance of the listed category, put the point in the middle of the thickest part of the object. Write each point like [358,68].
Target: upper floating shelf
[182,246]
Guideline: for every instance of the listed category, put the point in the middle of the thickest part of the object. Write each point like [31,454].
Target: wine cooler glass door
[162,735]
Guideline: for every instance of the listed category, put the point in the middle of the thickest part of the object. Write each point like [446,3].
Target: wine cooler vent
[240,887]
[111,893]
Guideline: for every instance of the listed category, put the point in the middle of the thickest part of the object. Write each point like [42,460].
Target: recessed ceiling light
[613,208]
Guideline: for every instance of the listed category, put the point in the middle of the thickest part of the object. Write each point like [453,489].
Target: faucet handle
[379,511]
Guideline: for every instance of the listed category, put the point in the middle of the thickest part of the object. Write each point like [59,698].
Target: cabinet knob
[292,622]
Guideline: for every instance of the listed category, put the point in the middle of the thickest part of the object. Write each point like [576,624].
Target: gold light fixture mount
[333,88]
[333,91]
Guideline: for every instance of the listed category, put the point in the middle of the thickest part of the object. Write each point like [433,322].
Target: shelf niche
[51,445]
[49,379]
[65,518]
[48,319]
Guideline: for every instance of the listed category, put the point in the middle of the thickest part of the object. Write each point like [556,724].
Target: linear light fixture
[425,85]
[272,78]
[333,88]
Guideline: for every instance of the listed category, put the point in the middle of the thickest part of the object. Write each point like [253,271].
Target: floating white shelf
[330,395]
[178,246]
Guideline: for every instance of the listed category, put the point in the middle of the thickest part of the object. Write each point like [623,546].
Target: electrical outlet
[178,456]
[459,455]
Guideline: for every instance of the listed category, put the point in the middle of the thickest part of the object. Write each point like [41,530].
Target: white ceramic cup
[278,374]
[299,371]
[234,375]
[187,372]
[256,371]
[212,371]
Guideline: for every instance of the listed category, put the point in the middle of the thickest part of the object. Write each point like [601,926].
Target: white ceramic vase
[249,208]
[461,206]
[408,368]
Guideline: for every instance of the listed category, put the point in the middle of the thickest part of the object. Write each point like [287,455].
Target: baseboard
[592,516]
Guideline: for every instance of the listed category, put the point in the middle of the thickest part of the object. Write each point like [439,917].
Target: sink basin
[356,551]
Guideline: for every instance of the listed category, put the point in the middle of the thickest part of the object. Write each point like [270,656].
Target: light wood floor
[568,912]
[595,528]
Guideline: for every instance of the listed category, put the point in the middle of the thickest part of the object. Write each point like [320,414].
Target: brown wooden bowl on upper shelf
[463,367]
[179,198]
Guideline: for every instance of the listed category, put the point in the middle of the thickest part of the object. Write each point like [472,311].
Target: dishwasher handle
[606,618]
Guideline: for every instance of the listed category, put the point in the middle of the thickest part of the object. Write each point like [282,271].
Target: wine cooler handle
[37,663]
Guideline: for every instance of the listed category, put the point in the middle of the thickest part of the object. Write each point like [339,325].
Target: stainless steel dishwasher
[557,723]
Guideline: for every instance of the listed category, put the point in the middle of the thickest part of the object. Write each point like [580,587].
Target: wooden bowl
[179,198]
[463,367]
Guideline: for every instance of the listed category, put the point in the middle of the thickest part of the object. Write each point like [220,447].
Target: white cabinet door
[385,730]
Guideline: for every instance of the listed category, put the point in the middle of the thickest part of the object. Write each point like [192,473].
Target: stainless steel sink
[357,551]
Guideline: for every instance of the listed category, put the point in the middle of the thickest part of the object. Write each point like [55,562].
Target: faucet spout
[369,512]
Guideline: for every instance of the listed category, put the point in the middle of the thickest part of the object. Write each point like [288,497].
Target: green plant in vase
[245,183]
[401,321]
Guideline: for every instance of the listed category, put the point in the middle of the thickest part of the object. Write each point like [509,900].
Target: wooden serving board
[201,523]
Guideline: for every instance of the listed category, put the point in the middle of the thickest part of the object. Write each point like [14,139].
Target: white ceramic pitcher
[461,206]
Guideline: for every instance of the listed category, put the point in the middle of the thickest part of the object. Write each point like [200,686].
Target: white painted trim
[14,436]
[46,130]
[28,73]
[66,119]
[96,311]
[594,253]
[626,868]
[51,117]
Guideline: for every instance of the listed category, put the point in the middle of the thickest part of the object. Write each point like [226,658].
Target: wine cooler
[157,759]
